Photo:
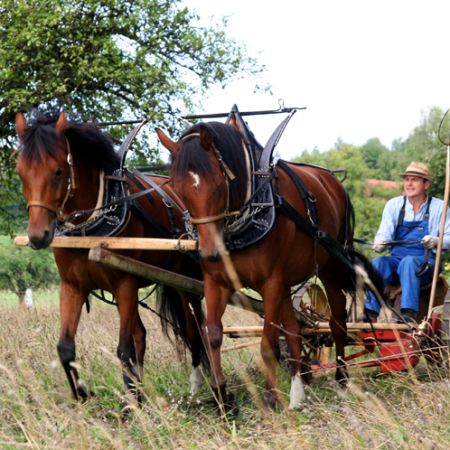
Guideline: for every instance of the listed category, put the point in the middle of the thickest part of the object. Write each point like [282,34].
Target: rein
[364,242]
[106,207]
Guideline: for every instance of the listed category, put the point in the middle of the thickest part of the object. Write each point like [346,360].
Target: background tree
[108,60]
[21,268]
[374,154]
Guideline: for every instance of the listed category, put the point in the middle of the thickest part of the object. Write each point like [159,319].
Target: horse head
[208,173]
[43,169]
[60,165]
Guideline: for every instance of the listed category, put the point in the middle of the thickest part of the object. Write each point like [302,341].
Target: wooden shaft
[441,237]
[144,270]
[163,276]
[240,346]
[116,243]
[322,328]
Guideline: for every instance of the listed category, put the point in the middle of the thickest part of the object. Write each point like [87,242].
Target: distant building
[372,183]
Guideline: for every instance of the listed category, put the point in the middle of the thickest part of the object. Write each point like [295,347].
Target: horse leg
[127,303]
[140,345]
[194,322]
[272,294]
[71,303]
[293,339]
[216,301]
[338,325]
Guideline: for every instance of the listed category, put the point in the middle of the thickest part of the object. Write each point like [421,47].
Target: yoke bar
[117,243]
[245,113]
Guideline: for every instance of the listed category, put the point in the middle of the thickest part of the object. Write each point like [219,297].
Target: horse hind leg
[184,313]
[131,332]
[139,339]
[194,322]
[293,340]
[71,303]
[338,325]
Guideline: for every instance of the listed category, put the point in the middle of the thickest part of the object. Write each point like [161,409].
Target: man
[414,220]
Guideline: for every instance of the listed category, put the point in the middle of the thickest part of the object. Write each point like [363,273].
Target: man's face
[415,186]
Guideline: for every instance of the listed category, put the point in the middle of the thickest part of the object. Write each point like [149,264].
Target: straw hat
[418,169]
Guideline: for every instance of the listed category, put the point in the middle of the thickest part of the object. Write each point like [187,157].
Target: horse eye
[58,172]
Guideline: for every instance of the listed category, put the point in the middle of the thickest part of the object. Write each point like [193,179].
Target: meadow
[401,411]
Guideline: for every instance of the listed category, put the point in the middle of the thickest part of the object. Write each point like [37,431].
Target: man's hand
[379,247]
[429,241]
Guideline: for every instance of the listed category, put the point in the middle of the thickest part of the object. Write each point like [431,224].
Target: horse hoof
[83,394]
[270,400]
[225,402]
[341,376]
[306,372]
[230,406]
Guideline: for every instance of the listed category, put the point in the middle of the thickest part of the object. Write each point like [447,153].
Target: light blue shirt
[390,218]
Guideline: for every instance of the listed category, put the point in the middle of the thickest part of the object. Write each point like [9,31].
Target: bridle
[228,175]
[71,186]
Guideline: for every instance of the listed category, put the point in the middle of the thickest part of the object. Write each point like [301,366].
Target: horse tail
[372,278]
[172,314]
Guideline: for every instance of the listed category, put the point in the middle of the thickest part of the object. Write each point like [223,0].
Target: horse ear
[61,123]
[168,143]
[233,121]
[21,125]
[206,138]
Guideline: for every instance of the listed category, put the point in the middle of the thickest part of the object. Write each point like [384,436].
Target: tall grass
[36,410]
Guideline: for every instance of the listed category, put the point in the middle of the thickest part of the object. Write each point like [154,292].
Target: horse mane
[86,141]
[228,141]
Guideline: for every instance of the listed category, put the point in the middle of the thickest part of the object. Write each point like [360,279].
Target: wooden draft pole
[441,237]
[140,269]
[162,276]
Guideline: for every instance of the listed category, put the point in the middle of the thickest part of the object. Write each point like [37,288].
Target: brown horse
[211,174]
[62,166]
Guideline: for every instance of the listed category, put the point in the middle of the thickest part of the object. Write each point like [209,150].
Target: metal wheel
[311,306]
[445,331]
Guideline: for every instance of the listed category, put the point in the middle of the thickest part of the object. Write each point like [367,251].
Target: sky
[362,68]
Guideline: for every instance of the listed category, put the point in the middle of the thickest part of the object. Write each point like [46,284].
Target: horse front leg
[272,294]
[131,347]
[216,300]
[71,303]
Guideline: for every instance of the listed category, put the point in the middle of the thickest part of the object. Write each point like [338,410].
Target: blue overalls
[404,262]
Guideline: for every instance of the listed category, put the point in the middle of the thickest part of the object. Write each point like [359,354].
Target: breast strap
[401,214]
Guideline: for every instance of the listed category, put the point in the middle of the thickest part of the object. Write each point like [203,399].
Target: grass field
[36,410]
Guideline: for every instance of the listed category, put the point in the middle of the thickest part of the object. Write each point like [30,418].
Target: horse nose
[41,240]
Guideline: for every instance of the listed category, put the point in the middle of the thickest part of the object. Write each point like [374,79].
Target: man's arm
[386,230]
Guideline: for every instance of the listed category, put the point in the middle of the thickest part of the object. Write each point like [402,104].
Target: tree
[373,151]
[21,268]
[108,60]
[423,145]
